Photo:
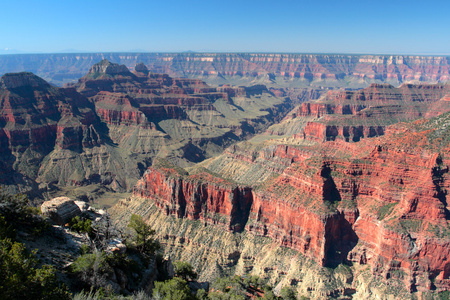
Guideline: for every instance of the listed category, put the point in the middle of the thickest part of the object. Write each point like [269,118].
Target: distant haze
[328,26]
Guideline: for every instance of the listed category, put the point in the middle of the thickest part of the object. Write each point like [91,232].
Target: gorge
[328,173]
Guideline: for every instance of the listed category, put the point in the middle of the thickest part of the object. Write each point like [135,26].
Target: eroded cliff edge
[379,203]
[106,129]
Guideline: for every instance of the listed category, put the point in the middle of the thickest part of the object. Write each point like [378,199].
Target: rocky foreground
[371,204]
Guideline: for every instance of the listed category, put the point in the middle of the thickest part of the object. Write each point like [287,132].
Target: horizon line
[225,52]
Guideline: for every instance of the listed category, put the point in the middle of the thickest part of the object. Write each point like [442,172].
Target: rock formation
[61,210]
[352,115]
[356,181]
[168,110]
[301,69]
[202,196]
[107,128]
[379,201]
[36,119]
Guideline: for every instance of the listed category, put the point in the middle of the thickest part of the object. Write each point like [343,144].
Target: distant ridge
[319,70]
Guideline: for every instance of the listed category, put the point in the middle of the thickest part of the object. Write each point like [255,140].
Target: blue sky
[338,26]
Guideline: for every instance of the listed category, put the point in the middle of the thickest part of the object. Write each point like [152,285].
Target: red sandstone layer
[384,205]
[352,115]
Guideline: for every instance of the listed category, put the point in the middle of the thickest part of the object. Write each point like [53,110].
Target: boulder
[117,246]
[61,210]
[82,205]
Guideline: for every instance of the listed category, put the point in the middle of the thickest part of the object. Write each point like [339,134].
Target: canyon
[287,70]
[107,128]
[276,165]
[376,198]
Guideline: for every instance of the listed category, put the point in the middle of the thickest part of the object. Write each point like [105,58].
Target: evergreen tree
[143,236]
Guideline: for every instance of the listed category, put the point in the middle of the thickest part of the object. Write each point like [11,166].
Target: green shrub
[269,295]
[202,294]
[229,288]
[141,295]
[81,226]
[223,284]
[126,264]
[143,239]
[6,230]
[184,270]
[15,208]
[39,226]
[173,289]
[17,212]
[288,293]
[84,249]
[87,296]
[21,279]
[93,269]
[256,281]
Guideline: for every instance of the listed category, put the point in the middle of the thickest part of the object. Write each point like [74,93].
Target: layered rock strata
[201,197]
[380,202]
[61,210]
[145,97]
[107,128]
[352,115]
[306,69]
[37,118]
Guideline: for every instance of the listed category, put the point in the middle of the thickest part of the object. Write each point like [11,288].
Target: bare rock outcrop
[60,210]
[106,68]
[198,197]
[17,80]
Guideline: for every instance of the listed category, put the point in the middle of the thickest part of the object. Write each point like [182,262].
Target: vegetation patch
[385,210]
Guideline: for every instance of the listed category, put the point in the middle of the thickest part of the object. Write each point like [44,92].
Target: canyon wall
[106,128]
[35,119]
[360,69]
[353,115]
[381,202]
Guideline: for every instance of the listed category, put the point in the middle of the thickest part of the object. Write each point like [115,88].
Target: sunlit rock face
[386,209]
[372,195]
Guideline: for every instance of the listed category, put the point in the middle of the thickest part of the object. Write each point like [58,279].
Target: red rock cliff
[198,197]
[352,115]
[384,205]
